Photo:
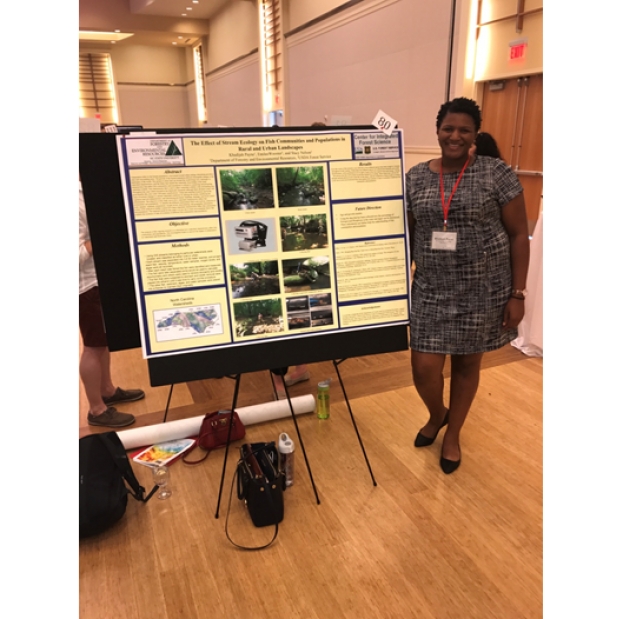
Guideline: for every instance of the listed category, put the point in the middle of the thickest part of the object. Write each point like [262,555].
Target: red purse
[214,430]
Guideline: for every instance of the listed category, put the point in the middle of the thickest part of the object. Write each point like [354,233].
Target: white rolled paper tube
[276,410]
[183,428]
[160,432]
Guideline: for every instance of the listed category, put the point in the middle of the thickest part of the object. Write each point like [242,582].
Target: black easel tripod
[311,478]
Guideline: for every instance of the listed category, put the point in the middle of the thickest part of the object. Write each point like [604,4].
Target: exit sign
[518,49]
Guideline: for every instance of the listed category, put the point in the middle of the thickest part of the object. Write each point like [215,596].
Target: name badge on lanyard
[445,241]
[442,239]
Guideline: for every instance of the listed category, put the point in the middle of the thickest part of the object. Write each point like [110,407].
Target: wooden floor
[419,544]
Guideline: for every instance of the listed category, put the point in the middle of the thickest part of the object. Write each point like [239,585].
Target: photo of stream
[254,279]
[303,232]
[247,189]
[300,186]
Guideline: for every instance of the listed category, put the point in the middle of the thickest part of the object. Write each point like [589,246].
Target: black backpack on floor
[104,472]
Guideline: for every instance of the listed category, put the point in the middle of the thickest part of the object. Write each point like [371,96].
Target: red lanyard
[446,206]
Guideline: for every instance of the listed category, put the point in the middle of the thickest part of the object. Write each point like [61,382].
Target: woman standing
[469,234]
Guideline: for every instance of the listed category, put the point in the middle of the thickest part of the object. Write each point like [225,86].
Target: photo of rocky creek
[303,232]
[254,279]
[250,188]
[300,186]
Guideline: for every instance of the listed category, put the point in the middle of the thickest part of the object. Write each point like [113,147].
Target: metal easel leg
[166,410]
[298,433]
[231,423]
[335,365]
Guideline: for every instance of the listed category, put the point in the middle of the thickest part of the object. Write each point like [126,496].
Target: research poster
[248,237]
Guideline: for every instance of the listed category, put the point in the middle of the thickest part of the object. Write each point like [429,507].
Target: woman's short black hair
[460,105]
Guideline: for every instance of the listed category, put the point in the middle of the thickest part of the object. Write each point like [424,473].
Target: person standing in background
[485,146]
[95,374]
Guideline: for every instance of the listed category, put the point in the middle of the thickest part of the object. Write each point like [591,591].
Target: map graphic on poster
[187,322]
[247,237]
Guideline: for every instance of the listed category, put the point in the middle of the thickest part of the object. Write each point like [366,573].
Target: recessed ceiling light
[183,14]
[180,37]
[113,42]
[117,30]
[174,42]
[89,35]
[195,1]
[189,8]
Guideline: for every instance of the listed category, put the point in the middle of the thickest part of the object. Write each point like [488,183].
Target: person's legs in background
[107,389]
[277,375]
[298,374]
[94,368]
[92,374]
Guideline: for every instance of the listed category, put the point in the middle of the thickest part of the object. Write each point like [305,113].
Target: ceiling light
[195,1]
[117,30]
[183,14]
[174,42]
[90,35]
[180,37]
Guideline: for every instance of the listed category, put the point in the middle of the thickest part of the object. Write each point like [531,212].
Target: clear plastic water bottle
[323,406]
[286,457]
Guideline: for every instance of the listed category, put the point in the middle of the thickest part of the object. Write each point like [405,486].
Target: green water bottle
[323,400]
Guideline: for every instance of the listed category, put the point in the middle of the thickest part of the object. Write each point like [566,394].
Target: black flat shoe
[425,441]
[449,466]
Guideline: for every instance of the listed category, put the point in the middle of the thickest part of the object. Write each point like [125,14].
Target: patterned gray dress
[458,297]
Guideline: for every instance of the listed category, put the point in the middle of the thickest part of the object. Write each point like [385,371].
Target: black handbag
[260,484]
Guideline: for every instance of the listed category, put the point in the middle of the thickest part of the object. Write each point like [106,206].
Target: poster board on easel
[316,216]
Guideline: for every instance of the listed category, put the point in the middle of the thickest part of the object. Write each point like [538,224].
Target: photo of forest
[254,279]
[247,189]
[257,317]
[303,232]
[300,186]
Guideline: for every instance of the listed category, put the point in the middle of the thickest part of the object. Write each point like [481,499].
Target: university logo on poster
[156,152]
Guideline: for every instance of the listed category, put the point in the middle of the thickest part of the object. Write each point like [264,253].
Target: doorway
[512,111]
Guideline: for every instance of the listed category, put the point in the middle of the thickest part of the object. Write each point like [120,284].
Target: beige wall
[145,65]
[379,54]
[234,95]
[152,85]
[301,11]
[153,107]
[488,57]
[492,56]
[234,32]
